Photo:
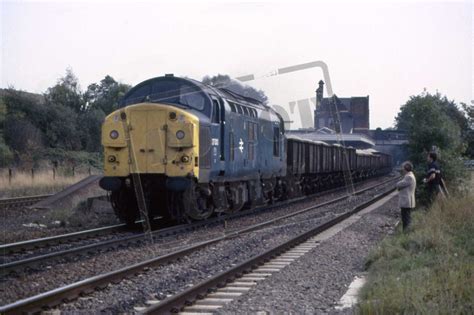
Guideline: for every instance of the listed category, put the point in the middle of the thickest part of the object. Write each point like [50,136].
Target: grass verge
[23,184]
[430,269]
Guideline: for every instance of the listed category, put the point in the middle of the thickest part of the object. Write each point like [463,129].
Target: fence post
[54,173]
[73,171]
[9,176]
[32,174]
[89,171]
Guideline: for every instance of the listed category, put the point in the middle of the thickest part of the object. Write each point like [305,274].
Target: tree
[22,136]
[434,123]
[66,92]
[469,134]
[63,129]
[91,122]
[23,118]
[428,125]
[105,95]
[224,81]
[6,154]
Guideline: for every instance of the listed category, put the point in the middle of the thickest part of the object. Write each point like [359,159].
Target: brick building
[349,114]
[354,128]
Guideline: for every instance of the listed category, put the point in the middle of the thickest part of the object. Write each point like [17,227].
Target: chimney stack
[319,100]
[319,94]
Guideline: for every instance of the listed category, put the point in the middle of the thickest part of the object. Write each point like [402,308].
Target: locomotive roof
[131,96]
[225,93]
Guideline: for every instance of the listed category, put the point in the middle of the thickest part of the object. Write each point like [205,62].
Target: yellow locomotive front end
[151,139]
[155,145]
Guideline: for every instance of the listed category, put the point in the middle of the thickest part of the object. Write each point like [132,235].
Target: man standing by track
[406,193]
[433,176]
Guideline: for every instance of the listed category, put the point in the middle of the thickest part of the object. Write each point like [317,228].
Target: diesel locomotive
[180,149]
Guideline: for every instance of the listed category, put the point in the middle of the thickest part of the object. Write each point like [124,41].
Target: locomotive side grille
[205,147]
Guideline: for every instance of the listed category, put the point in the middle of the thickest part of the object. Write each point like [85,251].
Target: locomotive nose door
[147,137]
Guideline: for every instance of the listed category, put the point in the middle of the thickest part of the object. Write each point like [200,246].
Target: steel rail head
[18,246]
[8,203]
[13,199]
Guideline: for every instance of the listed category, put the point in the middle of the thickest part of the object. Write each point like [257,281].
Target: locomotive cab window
[138,95]
[239,109]
[276,141]
[215,112]
[232,107]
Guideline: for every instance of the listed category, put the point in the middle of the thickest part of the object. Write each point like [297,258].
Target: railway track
[37,261]
[10,203]
[56,296]
[213,293]
[58,239]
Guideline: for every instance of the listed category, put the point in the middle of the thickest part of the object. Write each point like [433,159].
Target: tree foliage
[469,133]
[105,95]
[434,123]
[63,119]
[431,121]
[6,154]
[66,93]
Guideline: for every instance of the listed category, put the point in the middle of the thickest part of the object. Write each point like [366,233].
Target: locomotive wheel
[197,204]
[234,199]
[125,206]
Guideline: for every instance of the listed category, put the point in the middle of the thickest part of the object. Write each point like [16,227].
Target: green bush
[6,155]
[76,158]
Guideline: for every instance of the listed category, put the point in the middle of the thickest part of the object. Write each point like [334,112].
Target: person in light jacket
[406,193]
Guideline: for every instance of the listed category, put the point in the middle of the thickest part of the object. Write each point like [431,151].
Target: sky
[385,49]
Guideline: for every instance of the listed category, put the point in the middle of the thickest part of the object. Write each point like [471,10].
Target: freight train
[182,150]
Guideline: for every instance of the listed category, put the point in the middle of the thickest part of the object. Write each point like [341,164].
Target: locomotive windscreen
[169,90]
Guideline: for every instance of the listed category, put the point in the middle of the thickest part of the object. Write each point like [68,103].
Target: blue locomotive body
[238,155]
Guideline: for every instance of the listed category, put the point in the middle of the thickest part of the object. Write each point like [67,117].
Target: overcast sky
[388,50]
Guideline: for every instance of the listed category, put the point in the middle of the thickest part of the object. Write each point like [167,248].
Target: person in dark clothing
[433,176]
